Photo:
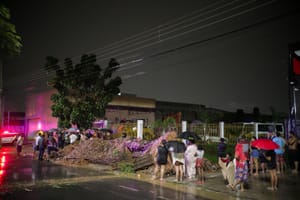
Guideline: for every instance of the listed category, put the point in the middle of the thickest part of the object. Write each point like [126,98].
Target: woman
[190,159]
[161,156]
[241,168]
[271,158]
[254,155]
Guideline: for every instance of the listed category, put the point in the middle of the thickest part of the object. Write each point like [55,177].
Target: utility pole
[1,95]
[293,85]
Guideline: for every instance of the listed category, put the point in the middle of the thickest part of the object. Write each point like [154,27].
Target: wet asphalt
[25,178]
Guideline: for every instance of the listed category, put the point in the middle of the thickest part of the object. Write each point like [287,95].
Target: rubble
[115,151]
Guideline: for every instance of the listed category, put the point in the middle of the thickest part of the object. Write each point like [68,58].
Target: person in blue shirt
[279,152]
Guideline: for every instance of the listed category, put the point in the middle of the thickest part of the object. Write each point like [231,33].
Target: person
[19,144]
[51,146]
[292,150]
[36,143]
[41,147]
[263,161]
[271,158]
[241,168]
[200,165]
[73,137]
[254,155]
[190,159]
[279,152]
[221,149]
[161,159]
[178,160]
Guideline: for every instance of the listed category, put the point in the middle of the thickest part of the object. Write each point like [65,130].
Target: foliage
[211,151]
[163,125]
[83,90]
[210,115]
[10,41]
[126,167]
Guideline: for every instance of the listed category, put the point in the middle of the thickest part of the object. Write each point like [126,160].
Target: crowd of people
[186,158]
[236,167]
[50,141]
[250,159]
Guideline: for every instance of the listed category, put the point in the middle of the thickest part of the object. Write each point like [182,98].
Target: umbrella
[265,144]
[176,146]
[189,135]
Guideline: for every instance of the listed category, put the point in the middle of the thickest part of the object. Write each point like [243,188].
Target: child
[200,165]
[271,158]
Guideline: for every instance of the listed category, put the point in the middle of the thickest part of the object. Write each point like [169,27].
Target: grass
[210,151]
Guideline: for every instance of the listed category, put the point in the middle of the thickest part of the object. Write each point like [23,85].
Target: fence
[231,131]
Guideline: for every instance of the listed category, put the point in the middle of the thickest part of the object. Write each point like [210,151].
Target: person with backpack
[161,159]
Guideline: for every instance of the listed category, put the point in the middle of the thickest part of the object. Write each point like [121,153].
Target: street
[24,178]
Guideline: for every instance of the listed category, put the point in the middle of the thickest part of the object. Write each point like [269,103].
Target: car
[212,139]
[8,137]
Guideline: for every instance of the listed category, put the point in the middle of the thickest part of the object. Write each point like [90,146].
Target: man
[221,153]
[279,152]
[293,148]
[19,143]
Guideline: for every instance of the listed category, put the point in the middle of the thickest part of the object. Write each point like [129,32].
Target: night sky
[223,54]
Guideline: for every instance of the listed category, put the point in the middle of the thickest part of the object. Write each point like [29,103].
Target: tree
[10,41]
[10,44]
[83,90]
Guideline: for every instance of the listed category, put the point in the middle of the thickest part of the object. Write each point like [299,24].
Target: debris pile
[112,152]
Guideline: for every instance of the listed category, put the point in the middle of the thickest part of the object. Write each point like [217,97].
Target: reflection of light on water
[33,176]
[16,175]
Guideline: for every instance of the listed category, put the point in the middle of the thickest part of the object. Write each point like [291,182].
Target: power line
[197,28]
[156,42]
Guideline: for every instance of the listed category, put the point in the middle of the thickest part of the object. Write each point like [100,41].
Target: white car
[8,137]
[213,139]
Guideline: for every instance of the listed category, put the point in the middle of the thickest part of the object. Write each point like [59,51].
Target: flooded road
[25,178]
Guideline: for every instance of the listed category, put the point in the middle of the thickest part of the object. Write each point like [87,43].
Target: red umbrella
[265,144]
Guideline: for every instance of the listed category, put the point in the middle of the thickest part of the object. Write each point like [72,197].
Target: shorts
[199,163]
[279,158]
[293,155]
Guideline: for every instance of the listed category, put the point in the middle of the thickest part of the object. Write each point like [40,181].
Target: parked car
[212,139]
[8,137]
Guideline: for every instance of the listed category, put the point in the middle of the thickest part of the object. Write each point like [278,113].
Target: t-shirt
[162,155]
[281,143]
[242,151]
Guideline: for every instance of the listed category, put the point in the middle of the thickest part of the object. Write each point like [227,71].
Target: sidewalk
[215,188]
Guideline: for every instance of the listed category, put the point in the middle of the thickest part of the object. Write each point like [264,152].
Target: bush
[126,167]
[210,151]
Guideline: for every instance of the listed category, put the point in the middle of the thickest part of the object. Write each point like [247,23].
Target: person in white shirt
[190,159]
[73,138]
[19,143]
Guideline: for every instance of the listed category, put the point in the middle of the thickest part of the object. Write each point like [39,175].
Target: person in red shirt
[241,168]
